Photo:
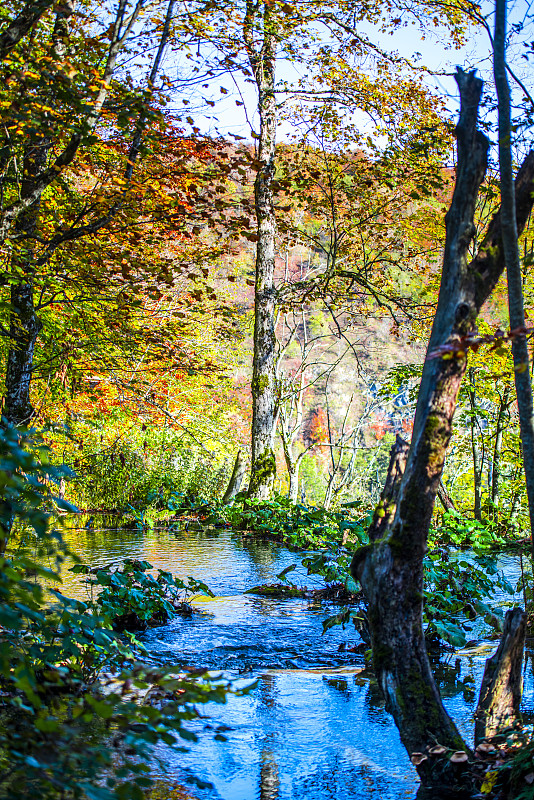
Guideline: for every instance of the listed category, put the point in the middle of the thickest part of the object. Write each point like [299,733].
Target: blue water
[314,728]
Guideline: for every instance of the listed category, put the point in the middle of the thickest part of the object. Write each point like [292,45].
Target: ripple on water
[315,727]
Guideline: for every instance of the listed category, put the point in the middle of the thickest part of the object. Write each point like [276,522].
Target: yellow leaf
[489,781]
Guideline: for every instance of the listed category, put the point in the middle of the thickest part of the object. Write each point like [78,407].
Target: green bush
[461,531]
[132,599]
[145,471]
[456,588]
[296,525]
[73,722]
[457,591]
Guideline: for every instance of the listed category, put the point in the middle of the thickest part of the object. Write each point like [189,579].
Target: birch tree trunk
[390,569]
[523,384]
[262,59]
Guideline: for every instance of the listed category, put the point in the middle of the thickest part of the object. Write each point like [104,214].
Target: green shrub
[132,599]
[145,471]
[456,588]
[296,525]
[457,591]
[73,723]
[461,531]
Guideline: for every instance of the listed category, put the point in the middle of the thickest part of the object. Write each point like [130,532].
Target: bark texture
[236,479]
[262,59]
[510,237]
[477,465]
[24,321]
[502,684]
[21,25]
[445,498]
[390,568]
[385,510]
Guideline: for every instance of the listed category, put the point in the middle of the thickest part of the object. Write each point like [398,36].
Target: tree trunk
[329,492]
[502,683]
[20,220]
[24,324]
[390,569]
[294,482]
[385,510]
[293,468]
[236,479]
[263,468]
[445,498]
[497,449]
[513,263]
[22,24]
[477,465]
[393,586]
[292,462]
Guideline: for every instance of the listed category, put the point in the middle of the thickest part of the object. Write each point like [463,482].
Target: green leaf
[286,571]
[450,633]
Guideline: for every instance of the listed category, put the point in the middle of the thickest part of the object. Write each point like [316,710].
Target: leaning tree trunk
[390,569]
[513,262]
[445,498]
[263,468]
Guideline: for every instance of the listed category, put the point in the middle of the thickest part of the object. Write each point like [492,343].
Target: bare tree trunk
[329,492]
[236,479]
[497,449]
[391,568]
[385,510]
[24,323]
[477,465]
[502,683]
[293,469]
[445,498]
[513,263]
[263,62]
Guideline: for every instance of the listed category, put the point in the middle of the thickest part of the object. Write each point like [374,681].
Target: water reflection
[315,728]
[269,773]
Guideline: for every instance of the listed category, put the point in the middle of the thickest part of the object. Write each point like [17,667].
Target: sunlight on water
[315,727]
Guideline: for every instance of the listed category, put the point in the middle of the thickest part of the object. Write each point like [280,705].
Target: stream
[315,727]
